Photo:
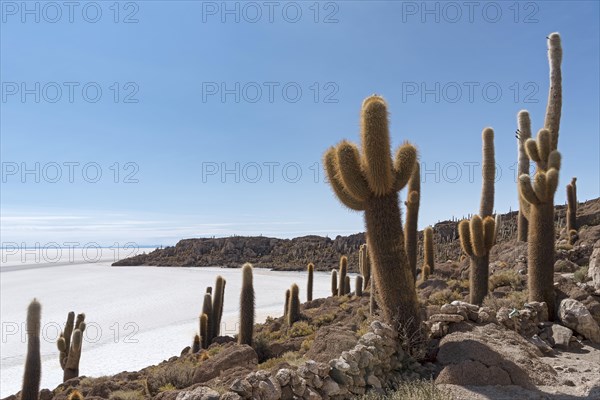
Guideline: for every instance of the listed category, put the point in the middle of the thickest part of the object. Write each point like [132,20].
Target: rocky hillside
[324,252]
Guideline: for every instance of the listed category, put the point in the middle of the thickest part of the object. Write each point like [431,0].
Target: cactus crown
[356,177]
[477,236]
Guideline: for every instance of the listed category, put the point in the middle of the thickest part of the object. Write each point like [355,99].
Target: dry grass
[581,275]
[506,278]
[126,395]
[415,390]
[443,296]
[516,299]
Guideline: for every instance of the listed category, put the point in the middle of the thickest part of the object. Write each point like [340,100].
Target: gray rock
[330,387]
[449,309]
[559,335]
[574,315]
[594,266]
[283,376]
[199,393]
[241,387]
[446,318]
[468,306]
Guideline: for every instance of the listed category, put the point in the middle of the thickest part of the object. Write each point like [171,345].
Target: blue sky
[161,98]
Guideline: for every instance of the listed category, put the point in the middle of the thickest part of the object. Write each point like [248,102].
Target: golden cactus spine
[342,275]
[293,313]
[246,306]
[413,199]
[538,191]
[523,134]
[69,344]
[428,253]
[370,182]
[75,395]
[309,286]
[33,363]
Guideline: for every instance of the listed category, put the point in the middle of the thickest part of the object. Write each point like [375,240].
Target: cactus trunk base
[540,260]
[478,279]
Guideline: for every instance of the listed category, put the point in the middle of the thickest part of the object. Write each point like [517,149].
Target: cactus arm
[375,139]
[526,190]
[489,233]
[336,183]
[465,237]
[553,109]
[404,165]
[486,207]
[543,144]
[348,162]
[551,182]
[554,160]
[476,232]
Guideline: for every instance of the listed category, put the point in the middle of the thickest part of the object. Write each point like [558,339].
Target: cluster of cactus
[364,265]
[413,199]
[537,192]
[69,344]
[370,182]
[246,327]
[572,210]
[477,236]
[293,311]
[210,317]
[33,362]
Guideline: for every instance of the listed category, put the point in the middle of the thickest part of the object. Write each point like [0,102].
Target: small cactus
[364,265]
[293,314]
[428,248]
[196,344]
[246,306]
[204,331]
[287,302]
[572,208]
[309,286]
[69,344]
[347,287]
[75,395]
[33,363]
[425,273]
[334,285]
[358,286]
[477,237]
[343,272]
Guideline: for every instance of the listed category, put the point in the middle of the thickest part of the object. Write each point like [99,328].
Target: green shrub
[300,328]
[581,274]
[506,278]
[443,297]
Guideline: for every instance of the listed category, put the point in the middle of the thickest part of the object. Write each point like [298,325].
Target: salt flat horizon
[136,316]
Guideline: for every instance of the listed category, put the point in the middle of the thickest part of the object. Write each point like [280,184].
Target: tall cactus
[477,237]
[334,285]
[342,276]
[207,309]
[413,199]
[33,363]
[246,306]
[523,134]
[370,182]
[287,302]
[488,172]
[217,306]
[539,191]
[309,286]
[364,265]
[69,344]
[293,314]
[571,207]
[428,254]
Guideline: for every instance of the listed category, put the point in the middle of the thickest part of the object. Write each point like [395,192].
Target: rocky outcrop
[231,356]
[481,357]
[594,267]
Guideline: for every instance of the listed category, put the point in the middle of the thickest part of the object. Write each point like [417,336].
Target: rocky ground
[505,349]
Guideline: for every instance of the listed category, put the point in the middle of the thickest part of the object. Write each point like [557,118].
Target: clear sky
[152,121]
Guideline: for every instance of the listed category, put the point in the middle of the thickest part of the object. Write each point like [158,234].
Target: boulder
[574,315]
[490,355]
[594,266]
[199,393]
[231,356]
[330,342]
[559,335]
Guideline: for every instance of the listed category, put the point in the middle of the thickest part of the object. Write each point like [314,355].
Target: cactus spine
[343,272]
[334,288]
[69,344]
[523,134]
[370,182]
[538,191]
[246,306]
[364,265]
[217,307]
[33,363]
[358,286]
[413,198]
[572,207]
[204,331]
[428,248]
[309,286]
[75,395]
[293,313]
